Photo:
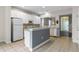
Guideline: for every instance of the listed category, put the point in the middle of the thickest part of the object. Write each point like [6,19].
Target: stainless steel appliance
[16,29]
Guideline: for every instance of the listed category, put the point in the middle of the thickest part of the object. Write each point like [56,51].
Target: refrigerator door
[17,29]
[18,32]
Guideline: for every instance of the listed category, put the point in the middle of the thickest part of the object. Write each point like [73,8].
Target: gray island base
[36,37]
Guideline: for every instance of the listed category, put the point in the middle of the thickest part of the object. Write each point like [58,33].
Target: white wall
[7,24]
[4,24]
[58,13]
[75,21]
[1,24]
[62,12]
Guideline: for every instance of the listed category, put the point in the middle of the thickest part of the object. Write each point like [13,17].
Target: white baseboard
[7,42]
[74,41]
[32,49]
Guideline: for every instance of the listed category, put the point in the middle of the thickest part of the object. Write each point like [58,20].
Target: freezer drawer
[17,33]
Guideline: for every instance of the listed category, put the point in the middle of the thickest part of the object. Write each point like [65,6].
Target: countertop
[37,28]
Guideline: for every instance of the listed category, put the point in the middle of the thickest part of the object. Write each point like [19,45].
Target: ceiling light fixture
[22,6]
[43,6]
[45,15]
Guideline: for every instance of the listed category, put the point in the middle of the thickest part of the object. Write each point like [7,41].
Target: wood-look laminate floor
[63,44]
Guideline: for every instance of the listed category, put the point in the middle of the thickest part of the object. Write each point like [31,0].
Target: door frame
[70,17]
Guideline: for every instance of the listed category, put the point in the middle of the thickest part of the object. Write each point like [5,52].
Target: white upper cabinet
[25,16]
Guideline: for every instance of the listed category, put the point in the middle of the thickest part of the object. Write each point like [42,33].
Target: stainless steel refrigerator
[16,29]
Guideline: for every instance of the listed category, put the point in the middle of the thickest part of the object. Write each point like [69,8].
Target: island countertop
[37,28]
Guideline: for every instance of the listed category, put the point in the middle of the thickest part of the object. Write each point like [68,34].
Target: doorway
[66,25]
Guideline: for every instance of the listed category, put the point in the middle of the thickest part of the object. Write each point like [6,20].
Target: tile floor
[63,44]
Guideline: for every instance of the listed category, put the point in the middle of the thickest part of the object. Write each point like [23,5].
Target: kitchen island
[36,37]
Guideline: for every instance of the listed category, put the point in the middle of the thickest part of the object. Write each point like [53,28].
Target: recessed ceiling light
[43,6]
[22,6]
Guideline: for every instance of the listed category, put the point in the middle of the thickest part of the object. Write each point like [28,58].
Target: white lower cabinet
[54,32]
[51,32]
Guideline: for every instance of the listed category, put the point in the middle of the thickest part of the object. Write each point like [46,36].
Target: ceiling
[42,9]
[39,10]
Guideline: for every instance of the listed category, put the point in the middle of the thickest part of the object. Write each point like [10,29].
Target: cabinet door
[55,32]
[51,32]
[45,22]
[27,38]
